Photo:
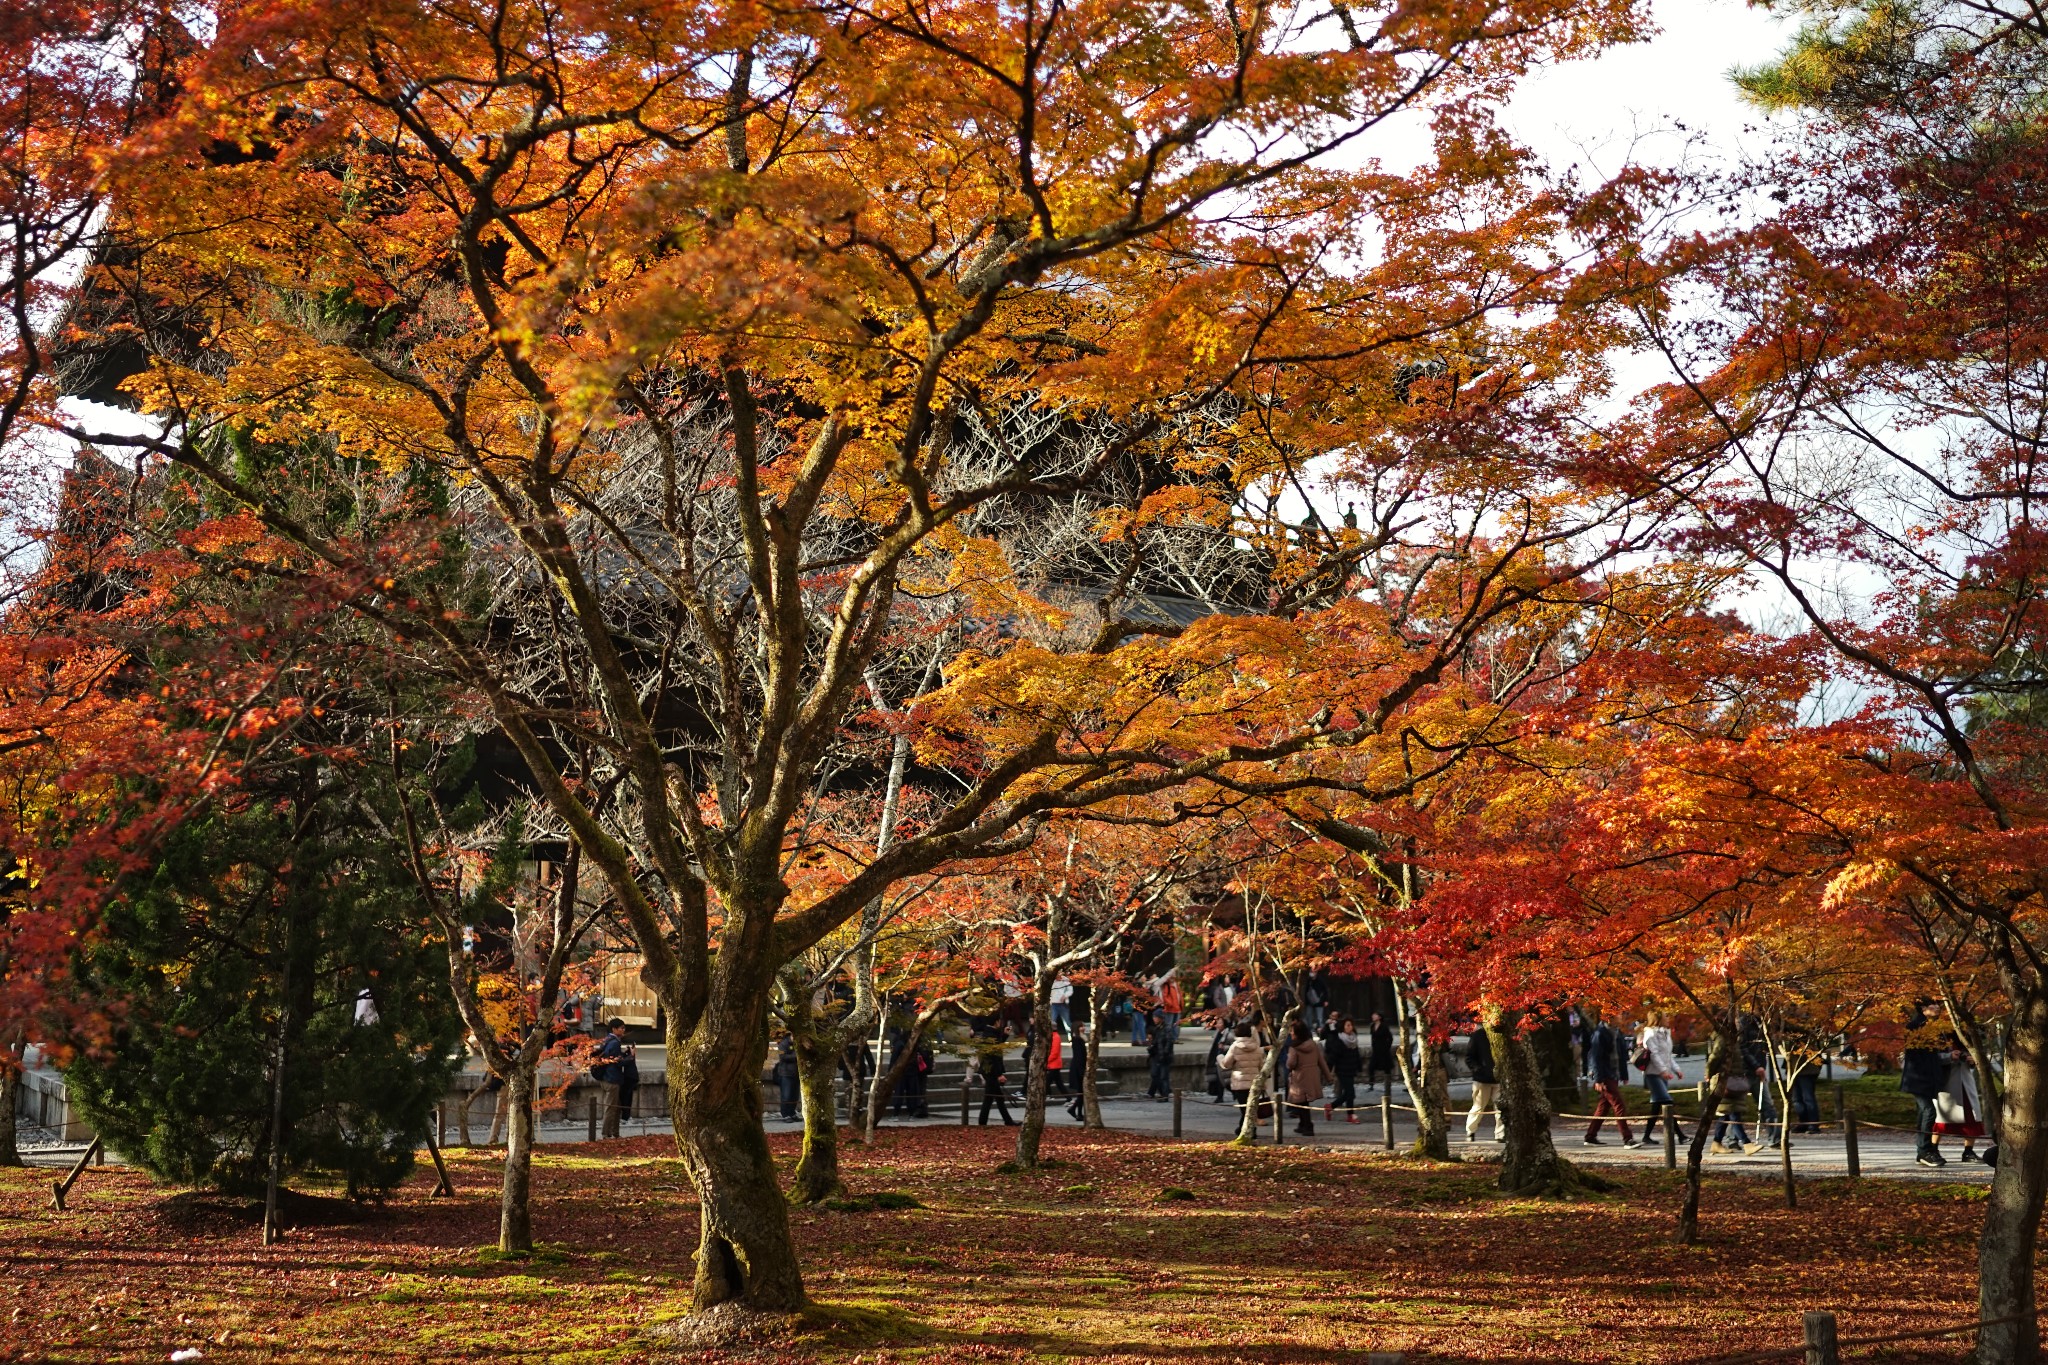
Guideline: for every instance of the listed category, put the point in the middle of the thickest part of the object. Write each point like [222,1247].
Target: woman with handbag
[1659,1066]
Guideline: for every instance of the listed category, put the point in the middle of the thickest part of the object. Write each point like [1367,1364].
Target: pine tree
[241,962]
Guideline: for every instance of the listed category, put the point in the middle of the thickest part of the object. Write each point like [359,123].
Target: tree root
[724,1325]
[814,1191]
[1554,1179]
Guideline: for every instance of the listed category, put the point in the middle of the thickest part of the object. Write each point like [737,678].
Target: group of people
[1309,1062]
[1935,1069]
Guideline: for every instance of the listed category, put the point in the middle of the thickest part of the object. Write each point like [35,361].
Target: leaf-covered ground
[1280,1255]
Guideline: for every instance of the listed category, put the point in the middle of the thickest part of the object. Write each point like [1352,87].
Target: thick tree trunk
[2012,1216]
[745,1254]
[10,1097]
[1530,1163]
[817,1168]
[1091,1089]
[1427,1082]
[515,1197]
[1036,1079]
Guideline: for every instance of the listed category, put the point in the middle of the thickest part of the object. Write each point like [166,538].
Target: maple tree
[97,768]
[724,334]
[1874,374]
[1086,888]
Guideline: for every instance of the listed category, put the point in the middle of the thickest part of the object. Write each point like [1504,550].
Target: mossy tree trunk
[817,1065]
[1427,1081]
[1530,1163]
[515,1193]
[744,1250]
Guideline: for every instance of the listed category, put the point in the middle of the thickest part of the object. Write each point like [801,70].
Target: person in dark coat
[788,1085]
[1077,1073]
[1923,1073]
[1343,1049]
[629,1084]
[1159,1051]
[610,1072]
[990,1069]
[1739,1066]
[1485,1085]
[1608,1069]
[1380,1062]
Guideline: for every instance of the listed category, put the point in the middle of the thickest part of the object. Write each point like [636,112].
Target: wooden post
[1671,1137]
[1279,1115]
[963,1102]
[440,1126]
[61,1189]
[1849,1143]
[593,1118]
[1387,1119]
[1820,1339]
[1176,1114]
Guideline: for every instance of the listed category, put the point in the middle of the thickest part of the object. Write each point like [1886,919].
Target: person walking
[1241,1065]
[1077,1069]
[629,1086]
[1063,1005]
[1956,1108]
[1346,1061]
[1159,1053]
[1055,1065]
[1308,1072]
[1654,1058]
[1485,1086]
[1607,1073]
[1923,1071]
[989,1066]
[1380,1061]
[1806,1093]
[1737,1068]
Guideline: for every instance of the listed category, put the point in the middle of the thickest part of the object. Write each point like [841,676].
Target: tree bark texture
[817,1167]
[1036,1079]
[1695,1158]
[10,1097]
[1530,1163]
[515,1195]
[2012,1216]
[1426,1079]
[744,1252]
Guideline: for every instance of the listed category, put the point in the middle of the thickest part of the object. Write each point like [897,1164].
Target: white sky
[1632,101]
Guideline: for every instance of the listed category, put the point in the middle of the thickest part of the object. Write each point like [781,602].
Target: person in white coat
[1240,1065]
[1660,1068]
